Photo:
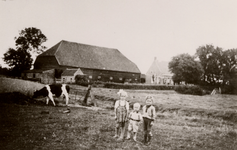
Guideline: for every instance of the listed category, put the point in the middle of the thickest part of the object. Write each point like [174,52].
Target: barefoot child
[149,114]
[135,118]
[121,110]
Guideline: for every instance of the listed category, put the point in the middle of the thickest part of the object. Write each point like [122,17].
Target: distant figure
[121,110]
[135,119]
[149,114]
[89,98]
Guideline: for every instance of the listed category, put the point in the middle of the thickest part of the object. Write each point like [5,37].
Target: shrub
[189,89]
[82,80]
[138,86]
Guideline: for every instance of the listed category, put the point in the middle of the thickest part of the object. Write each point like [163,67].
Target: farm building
[68,75]
[98,63]
[158,73]
[46,76]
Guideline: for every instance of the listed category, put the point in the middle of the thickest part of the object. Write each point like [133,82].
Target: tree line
[210,66]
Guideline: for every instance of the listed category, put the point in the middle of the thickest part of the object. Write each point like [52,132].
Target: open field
[183,122]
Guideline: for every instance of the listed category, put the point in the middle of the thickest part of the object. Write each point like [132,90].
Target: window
[33,75]
[90,77]
[99,77]
[111,78]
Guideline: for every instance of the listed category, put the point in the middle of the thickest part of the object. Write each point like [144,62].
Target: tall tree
[229,62]
[186,69]
[27,43]
[211,60]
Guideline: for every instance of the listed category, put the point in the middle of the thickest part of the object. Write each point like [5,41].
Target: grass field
[184,122]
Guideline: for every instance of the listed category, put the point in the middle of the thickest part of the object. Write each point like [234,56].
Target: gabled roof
[71,72]
[158,67]
[88,56]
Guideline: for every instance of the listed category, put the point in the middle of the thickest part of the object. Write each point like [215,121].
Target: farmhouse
[158,73]
[98,63]
[68,75]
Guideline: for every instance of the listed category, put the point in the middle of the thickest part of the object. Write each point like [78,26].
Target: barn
[98,63]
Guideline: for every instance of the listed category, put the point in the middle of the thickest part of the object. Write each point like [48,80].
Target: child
[121,110]
[149,114]
[135,118]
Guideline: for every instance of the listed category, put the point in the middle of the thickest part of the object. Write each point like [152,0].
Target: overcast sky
[140,29]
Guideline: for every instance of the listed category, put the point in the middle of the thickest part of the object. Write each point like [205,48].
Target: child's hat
[122,93]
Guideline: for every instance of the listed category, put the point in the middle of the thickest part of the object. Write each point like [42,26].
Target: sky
[140,29]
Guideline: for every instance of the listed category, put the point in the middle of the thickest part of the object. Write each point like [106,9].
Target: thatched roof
[88,56]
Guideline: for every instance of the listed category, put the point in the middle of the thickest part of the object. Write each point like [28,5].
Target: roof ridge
[58,46]
[87,44]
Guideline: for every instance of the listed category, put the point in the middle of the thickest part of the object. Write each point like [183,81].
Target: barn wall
[67,79]
[111,76]
[45,77]
[48,77]
[50,62]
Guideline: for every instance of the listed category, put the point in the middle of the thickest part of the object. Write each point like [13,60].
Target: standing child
[135,118]
[149,114]
[121,110]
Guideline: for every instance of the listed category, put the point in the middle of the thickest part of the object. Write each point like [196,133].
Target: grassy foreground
[184,122]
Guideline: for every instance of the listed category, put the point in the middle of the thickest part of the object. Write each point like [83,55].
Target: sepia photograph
[118,74]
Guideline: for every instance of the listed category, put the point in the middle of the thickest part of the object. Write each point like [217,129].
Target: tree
[186,69]
[229,63]
[29,42]
[19,60]
[211,59]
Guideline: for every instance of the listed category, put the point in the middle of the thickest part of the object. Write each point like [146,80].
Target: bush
[138,86]
[82,80]
[189,89]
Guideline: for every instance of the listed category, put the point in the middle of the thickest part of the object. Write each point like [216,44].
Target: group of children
[134,118]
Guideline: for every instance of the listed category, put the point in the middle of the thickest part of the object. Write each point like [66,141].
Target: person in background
[121,110]
[135,118]
[149,114]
